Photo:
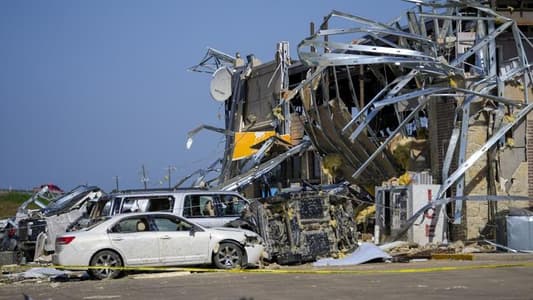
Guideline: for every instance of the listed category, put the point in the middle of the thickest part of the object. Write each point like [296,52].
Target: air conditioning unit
[396,204]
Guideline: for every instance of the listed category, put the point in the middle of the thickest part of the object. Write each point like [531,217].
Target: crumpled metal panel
[301,226]
[520,232]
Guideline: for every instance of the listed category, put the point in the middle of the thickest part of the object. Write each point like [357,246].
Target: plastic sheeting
[365,253]
[43,273]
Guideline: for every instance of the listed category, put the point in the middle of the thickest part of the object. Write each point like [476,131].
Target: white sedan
[155,239]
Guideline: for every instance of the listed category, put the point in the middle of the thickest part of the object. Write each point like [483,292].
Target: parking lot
[504,277]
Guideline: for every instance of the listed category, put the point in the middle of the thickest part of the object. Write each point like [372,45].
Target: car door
[179,244]
[138,244]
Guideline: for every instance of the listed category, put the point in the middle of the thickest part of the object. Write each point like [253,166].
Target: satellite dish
[220,88]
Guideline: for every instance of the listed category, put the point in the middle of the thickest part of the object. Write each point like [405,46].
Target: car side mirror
[192,232]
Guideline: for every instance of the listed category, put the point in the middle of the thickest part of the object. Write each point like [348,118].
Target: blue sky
[90,90]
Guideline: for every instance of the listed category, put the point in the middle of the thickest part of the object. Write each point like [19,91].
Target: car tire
[228,256]
[106,258]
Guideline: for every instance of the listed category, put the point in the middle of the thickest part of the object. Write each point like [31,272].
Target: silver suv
[207,208]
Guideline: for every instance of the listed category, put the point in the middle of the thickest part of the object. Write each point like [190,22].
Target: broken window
[199,206]
[232,206]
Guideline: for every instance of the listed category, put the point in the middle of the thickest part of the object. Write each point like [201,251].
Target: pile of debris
[405,251]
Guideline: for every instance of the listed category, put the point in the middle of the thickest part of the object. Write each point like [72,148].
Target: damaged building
[438,97]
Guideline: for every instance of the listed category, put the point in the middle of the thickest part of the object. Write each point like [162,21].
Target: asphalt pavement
[489,277]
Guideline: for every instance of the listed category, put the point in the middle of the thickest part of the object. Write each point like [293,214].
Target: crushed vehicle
[32,232]
[373,104]
[300,225]
[122,240]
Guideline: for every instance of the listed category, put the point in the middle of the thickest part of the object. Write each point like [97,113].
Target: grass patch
[10,202]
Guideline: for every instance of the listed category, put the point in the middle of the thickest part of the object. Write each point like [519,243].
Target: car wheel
[229,256]
[109,260]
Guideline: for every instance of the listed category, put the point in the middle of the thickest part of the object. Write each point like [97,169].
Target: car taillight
[64,240]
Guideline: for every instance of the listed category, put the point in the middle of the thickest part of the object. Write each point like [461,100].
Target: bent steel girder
[519,116]
[388,101]
[201,172]
[486,40]
[232,119]
[380,149]
[213,60]
[199,128]
[399,81]
[424,57]
[246,178]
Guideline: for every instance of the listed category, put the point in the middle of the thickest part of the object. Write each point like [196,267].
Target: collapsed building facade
[440,98]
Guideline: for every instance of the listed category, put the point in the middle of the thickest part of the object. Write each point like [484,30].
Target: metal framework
[430,49]
[446,51]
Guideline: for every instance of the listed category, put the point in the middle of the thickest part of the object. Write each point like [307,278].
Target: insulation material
[245,142]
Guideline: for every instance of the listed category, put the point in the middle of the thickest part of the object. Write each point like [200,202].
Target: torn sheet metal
[255,173]
[192,133]
[520,232]
[213,60]
[201,175]
[366,252]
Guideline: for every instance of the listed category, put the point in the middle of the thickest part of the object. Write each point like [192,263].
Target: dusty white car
[155,239]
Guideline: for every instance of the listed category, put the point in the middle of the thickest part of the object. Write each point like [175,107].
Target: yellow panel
[244,141]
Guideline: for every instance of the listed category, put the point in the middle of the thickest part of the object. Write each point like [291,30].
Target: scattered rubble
[18,273]
[409,251]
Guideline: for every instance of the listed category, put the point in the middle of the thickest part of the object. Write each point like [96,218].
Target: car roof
[171,191]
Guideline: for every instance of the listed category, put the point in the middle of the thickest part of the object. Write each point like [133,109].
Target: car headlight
[253,239]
